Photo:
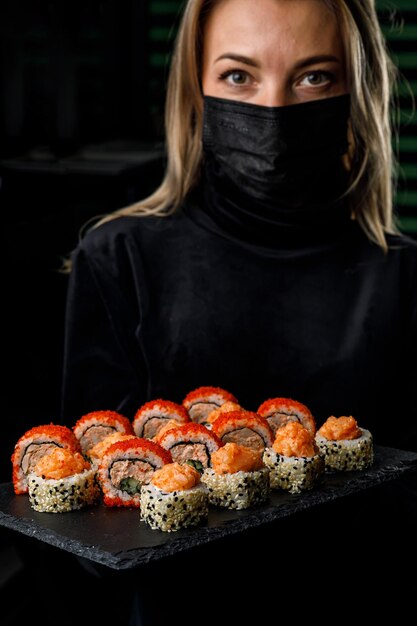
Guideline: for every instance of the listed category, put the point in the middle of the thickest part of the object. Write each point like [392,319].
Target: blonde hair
[371,160]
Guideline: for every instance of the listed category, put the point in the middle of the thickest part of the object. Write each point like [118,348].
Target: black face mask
[276,171]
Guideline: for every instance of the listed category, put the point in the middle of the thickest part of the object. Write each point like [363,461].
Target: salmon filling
[129,474]
[245,437]
[94,434]
[183,452]
[201,410]
[224,408]
[97,451]
[34,452]
[280,419]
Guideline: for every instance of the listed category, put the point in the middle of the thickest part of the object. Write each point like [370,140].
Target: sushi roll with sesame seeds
[344,445]
[190,442]
[175,498]
[238,478]
[62,481]
[245,428]
[279,411]
[33,445]
[201,401]
[153,415]
[294,461]
[93,427]
[126,466]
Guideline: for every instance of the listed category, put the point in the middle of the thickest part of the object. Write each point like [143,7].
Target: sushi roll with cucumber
[95,426]
[190,442]
[62,481]
[344,445]
[280,411]
[201,401]
[238,478]
[175,497]
[155,414]
[294,461]
[33,445]
[126,466]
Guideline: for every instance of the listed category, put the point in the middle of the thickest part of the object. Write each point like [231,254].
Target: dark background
[82,88]
[81,133]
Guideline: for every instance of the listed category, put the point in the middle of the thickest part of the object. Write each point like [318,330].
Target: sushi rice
[171,511]
[238,490]
[50,495]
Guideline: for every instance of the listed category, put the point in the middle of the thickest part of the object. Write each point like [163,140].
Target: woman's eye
[235,77]
[315,79]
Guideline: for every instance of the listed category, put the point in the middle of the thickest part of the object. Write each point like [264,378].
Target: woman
[267,262]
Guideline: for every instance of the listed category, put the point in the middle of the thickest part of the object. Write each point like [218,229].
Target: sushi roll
[227,407]
[245,428]
[294,461]
[344,445]
[190,442]
[153,415]
[175,498]
[201,401]
[96,453]
[126,466]
[62,481]
[93,427]
[238,478]
[279,411]
[33,445]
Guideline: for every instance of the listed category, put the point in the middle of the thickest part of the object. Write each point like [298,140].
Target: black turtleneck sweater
[158,306]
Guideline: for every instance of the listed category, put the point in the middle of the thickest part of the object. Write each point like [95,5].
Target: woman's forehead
[272,29]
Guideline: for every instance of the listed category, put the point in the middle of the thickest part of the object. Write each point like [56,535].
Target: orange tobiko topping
[293,439]
[175,477]
[60,463]
[204,392]
[232,458]
[338,428]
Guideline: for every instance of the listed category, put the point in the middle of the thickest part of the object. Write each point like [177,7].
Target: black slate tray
[118,539]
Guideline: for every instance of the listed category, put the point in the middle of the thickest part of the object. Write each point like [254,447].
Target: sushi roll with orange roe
[62,481]
[237,478]
[279,411]
[153,415]
[201,401]
[294,460]
[245,428]
[344,445]
[126,466]
[175,498]
[227,407]
[190,442]
[96,453]
[33,445]
[94,426]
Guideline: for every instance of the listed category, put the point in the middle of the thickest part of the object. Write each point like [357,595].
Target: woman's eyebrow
[319,58]
[238,57]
